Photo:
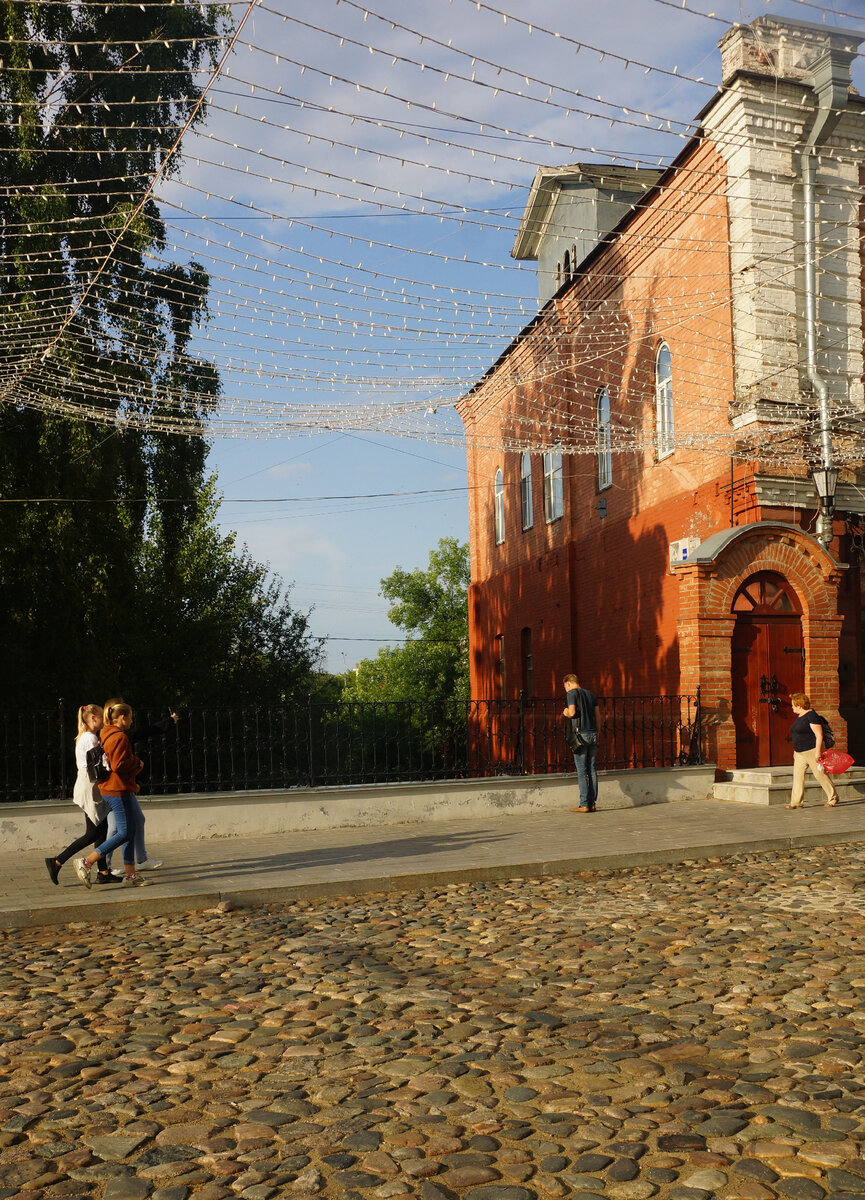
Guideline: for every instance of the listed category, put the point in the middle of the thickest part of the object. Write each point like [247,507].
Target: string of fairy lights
[353,197]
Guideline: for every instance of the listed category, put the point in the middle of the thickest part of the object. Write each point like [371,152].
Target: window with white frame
[499,507]
[664,400]
[605,440]
[554,500]
[526,490]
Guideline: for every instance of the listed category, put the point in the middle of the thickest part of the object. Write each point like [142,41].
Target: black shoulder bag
[98,769]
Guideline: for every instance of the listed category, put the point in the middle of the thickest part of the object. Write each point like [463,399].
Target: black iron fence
[316,745]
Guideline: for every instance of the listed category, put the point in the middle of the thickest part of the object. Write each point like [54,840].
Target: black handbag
[98,769]
[574,738]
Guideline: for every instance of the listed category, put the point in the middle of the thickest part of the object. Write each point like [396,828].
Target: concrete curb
[199,900]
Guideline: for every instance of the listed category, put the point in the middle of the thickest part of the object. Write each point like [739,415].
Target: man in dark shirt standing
[581,706]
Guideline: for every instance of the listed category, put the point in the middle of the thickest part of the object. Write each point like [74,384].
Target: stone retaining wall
[51,825]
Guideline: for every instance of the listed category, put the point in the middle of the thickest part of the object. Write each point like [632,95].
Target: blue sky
[357,214]
[338,551]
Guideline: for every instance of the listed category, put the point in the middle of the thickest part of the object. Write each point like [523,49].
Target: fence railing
[316,745]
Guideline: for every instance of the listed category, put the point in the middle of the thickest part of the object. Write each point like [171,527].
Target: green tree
[124,585]
[432,607]
[228,634]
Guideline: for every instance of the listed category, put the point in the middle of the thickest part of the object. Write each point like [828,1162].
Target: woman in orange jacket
[118,790]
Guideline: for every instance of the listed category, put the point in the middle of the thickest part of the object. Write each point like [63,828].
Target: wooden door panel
[786,675]
[767,666]
[748,651]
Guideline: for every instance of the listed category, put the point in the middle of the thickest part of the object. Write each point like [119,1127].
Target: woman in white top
[86,796]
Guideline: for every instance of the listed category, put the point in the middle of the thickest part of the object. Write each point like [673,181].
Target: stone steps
[771,786]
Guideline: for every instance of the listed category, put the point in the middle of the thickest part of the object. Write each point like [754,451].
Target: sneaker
[107,877]
[117,872]
[149,864]
[82,870]
[133,881]
[53,869]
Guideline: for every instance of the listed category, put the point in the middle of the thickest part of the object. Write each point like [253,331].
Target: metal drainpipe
[832,77]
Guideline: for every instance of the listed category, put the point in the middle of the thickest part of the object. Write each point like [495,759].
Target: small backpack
[98,768]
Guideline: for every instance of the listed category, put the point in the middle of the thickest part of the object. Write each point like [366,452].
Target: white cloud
[296,550]
[289,470]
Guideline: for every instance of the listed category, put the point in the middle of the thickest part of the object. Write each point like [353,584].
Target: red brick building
[643,510]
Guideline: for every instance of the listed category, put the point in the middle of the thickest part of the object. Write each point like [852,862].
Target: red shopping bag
[835,762]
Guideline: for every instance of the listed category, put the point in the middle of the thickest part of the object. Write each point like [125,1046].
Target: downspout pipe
[831,82]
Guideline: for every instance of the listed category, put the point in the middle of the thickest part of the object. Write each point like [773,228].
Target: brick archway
[708,584]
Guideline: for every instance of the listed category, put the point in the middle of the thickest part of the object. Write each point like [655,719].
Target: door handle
[764,685]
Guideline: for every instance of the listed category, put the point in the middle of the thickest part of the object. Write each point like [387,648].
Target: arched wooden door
[768,665]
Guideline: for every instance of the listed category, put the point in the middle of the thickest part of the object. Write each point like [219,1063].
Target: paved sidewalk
[200,874]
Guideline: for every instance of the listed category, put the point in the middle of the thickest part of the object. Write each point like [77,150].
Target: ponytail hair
[115,709]
[84,711]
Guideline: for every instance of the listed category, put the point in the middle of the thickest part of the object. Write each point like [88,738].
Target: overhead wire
[341,319]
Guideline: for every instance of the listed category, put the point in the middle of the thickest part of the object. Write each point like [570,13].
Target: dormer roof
[549,182]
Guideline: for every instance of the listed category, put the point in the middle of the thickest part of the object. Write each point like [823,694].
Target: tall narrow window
[500,638]
[664,400]
[605,441]
[526,659]
[566,266]
[526,490]
[499,507]
[554,504]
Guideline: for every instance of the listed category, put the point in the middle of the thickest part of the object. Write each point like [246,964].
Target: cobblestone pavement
[681,1031]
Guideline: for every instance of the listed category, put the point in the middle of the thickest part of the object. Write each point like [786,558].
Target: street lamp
[826,482]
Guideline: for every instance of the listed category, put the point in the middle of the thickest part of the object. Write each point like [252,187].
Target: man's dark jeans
[587,775]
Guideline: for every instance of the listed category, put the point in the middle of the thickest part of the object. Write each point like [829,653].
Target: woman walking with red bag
[807,734]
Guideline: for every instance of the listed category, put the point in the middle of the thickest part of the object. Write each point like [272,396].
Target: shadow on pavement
[323,856]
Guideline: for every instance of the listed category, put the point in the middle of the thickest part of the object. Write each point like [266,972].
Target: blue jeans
[587,775]
[126,821]
[140,848]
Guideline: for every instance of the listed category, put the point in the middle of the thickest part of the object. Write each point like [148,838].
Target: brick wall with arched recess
[707,621]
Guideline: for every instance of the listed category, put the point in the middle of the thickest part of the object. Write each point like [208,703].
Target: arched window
[566,266]
[605,440]
[499,507]
[664,400]
[526,490]
[766,594]
[554,502]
